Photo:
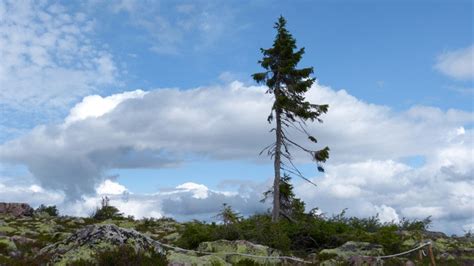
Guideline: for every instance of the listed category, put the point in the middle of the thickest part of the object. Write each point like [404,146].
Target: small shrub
[415,225]
[125,256]
[227,215]
[195,233]
[50,210]
[106,211]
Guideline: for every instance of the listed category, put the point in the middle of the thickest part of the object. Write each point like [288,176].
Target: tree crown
[289,84]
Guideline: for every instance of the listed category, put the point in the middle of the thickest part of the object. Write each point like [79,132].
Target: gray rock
[87,241]
[16,209]
[352,250]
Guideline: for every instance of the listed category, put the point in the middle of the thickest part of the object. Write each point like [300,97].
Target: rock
[352,250]
[16,209]
[434,235]
[7,230]
[7,244]
[224,247]
[188,259]
[21,240]
[173,237]
[226,253]
[84,243]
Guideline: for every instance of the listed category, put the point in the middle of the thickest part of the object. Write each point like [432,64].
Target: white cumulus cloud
[458,64]
[368,167]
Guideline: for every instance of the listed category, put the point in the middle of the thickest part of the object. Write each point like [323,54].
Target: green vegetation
[305,235]
[125,256]
[50,210]
[106,211]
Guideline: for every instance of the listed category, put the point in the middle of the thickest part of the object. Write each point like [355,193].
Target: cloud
[178,28]
[367,171]
[95,105]
[49,60]
[180,202]
[458,64]
[109,187]
[33,194]
[441,188]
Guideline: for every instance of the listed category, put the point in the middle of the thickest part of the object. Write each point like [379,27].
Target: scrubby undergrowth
[312,237]
[38,239]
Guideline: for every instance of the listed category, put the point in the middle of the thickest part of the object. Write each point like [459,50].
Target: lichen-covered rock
[16,209]
[446,249]
[459,249]
[351,250]
[193,259]
[171,237]
[7,245]
[84,243]
[229,250]
[7,230]
[21,240]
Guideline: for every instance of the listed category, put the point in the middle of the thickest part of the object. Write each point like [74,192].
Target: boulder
[229,250]
[352,251]
[16,209]
[225,252]
[192,259]
[86,242]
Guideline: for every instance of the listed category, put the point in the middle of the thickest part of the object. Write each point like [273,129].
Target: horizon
[153,105]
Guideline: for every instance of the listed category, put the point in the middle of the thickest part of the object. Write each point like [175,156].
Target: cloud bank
[369,171]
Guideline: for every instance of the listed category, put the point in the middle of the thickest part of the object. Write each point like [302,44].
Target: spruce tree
[290,109]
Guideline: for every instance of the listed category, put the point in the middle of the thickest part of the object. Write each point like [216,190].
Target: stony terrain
[35,238]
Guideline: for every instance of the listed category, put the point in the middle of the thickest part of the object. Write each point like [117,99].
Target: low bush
[107,212]
[125,256]
[305,235]
[50,210]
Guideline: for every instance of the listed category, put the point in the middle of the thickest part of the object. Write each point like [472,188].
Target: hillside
[30,237]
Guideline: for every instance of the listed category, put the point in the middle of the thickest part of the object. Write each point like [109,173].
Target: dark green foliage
[195,233]
[290,109]
[107,212]
[3,248]
[290,205]
[126,256]
[227,215]
[307,234]
[289,84]
[415,225]
[51,210]
[148,224]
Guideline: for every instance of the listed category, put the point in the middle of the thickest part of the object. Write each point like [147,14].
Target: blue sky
[107,90]
[382,52]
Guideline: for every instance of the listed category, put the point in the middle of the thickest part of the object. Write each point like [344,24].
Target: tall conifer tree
[290,109]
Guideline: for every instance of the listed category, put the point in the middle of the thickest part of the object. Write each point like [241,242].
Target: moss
[6,245]
[352,248]
[8,230]
[171,237]
[222,247]
[81,254]
[192,259]
[124,223]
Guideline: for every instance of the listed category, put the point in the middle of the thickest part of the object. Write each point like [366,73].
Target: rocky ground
[32,238]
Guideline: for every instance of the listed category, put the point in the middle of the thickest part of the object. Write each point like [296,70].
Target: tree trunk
[277,166]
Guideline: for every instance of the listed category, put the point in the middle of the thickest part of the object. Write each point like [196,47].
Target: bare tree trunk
[277,166]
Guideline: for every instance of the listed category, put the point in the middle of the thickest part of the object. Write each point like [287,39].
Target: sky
[152,104]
